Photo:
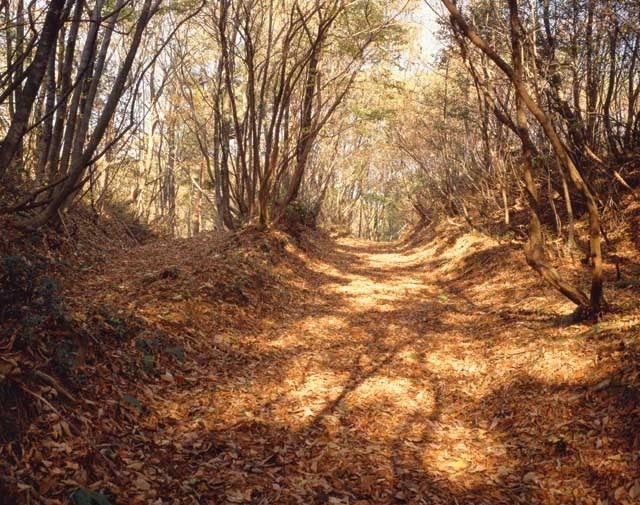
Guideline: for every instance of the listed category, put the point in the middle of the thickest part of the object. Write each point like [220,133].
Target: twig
[66,230]
[127,229]
[55,384]
[38,397]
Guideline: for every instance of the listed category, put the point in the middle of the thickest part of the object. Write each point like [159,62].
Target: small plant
[82,496]
[143,344]
[64,358]
[297,217]
[148,363]
[115,325]
[301,213]
[27,330]
[24,291]
[48,296]
[176,352]
[17,279]
[133,402]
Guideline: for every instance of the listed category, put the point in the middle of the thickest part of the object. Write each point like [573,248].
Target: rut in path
[388,377]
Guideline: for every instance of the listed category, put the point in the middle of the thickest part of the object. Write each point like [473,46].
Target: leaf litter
[252,369]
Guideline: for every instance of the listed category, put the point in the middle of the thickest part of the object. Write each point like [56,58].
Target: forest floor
[255,370]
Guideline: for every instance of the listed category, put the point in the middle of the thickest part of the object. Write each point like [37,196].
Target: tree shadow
[424,394]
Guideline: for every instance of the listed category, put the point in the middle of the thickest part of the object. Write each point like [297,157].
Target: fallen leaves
[353,376]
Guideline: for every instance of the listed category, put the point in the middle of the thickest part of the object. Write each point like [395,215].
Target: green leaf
[148,362]
[82,496]
[132,400]
[143,344]
[176,352]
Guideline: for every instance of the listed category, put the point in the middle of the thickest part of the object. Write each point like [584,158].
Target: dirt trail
[344,400]
[388,376]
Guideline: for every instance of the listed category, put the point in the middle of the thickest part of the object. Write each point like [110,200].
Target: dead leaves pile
[244,369]
[132,331]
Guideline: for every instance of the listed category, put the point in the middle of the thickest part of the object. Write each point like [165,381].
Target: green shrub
[25,291]
[298,217]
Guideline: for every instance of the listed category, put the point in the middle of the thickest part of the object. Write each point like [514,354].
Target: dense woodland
[201,122]
[215,115]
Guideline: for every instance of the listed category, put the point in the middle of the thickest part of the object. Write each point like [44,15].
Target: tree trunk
[596,301]
[35,74]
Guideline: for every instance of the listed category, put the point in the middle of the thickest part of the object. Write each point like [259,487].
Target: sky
[425,20]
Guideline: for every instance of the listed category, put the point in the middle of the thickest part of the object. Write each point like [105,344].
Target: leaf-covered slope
[251,370]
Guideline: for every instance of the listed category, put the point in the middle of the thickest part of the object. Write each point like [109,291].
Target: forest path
[359,394]
[379,386]
[387,376]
